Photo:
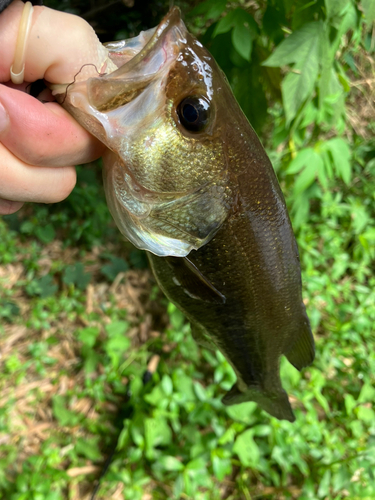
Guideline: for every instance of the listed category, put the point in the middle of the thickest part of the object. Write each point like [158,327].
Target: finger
[58,45]
[22,182]
[44,134]
[8,207]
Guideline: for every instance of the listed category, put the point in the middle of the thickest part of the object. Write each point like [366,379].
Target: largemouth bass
[187,179]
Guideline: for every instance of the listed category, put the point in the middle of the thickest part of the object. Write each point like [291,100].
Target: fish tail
[276,403]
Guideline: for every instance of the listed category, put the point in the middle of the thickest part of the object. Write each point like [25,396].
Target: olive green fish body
[242,290]
[187,179]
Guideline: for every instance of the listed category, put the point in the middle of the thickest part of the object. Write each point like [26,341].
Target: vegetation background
[82,318]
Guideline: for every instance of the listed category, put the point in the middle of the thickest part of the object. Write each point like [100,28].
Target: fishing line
[75,77]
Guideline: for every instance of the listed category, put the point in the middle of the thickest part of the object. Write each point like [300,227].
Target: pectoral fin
[201,338]
[302,352]
[188,276]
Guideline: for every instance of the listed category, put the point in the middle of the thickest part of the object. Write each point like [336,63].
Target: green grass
[81,317]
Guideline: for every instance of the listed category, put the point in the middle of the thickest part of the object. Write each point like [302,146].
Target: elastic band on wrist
[18,67]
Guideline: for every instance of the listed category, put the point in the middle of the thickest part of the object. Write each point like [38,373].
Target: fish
[188,180]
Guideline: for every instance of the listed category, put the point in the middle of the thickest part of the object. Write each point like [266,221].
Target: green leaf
[310,113]
[88,448]
[167,385]
[115,267]
[335,7]
[349,20]
[117,343]
[296,87]
[331,97]
[262,430]
[170,463]
[298,47]
[341,158]
[366,414]
[367,394]
[157,433]
[292,94]
[91,359]
[156,396]
[322,400]
[303,48]
[222,467]
[350,403]
[210,9]
[9,310]
[176,317]
[242,40]
[184,385]
[301,206]
[242,412]
[117,328]
[368,7]
[115,348]
[340,479]
[196,464]
[244,30]
[234,18]
[76,275]
[225,24]
[246,449]
[43,287]
[228,436]
[200,391]
[324,485]
[304,180]
[304,158]
[46,233]
[88,335]
[64,416]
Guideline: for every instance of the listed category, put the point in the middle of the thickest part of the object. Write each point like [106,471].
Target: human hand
[41,143]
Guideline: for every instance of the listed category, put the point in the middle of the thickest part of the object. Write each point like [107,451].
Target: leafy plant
[74,361]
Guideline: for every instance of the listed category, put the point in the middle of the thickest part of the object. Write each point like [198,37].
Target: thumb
[58,45]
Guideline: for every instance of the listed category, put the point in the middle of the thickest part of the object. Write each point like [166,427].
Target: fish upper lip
[138,72]
[173,18]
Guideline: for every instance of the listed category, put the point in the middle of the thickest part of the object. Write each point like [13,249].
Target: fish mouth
[138,64]
[131,78]
[124,109]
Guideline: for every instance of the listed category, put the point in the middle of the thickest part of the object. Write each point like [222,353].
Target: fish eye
[193,113]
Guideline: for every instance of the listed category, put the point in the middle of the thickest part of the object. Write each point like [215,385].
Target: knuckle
[64,184]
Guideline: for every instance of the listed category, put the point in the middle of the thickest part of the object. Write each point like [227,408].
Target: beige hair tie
[18,67]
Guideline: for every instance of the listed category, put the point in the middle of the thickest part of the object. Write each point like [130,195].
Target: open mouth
[137,61]
[123,85]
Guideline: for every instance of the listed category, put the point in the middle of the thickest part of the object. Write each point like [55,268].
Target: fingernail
[4,118]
